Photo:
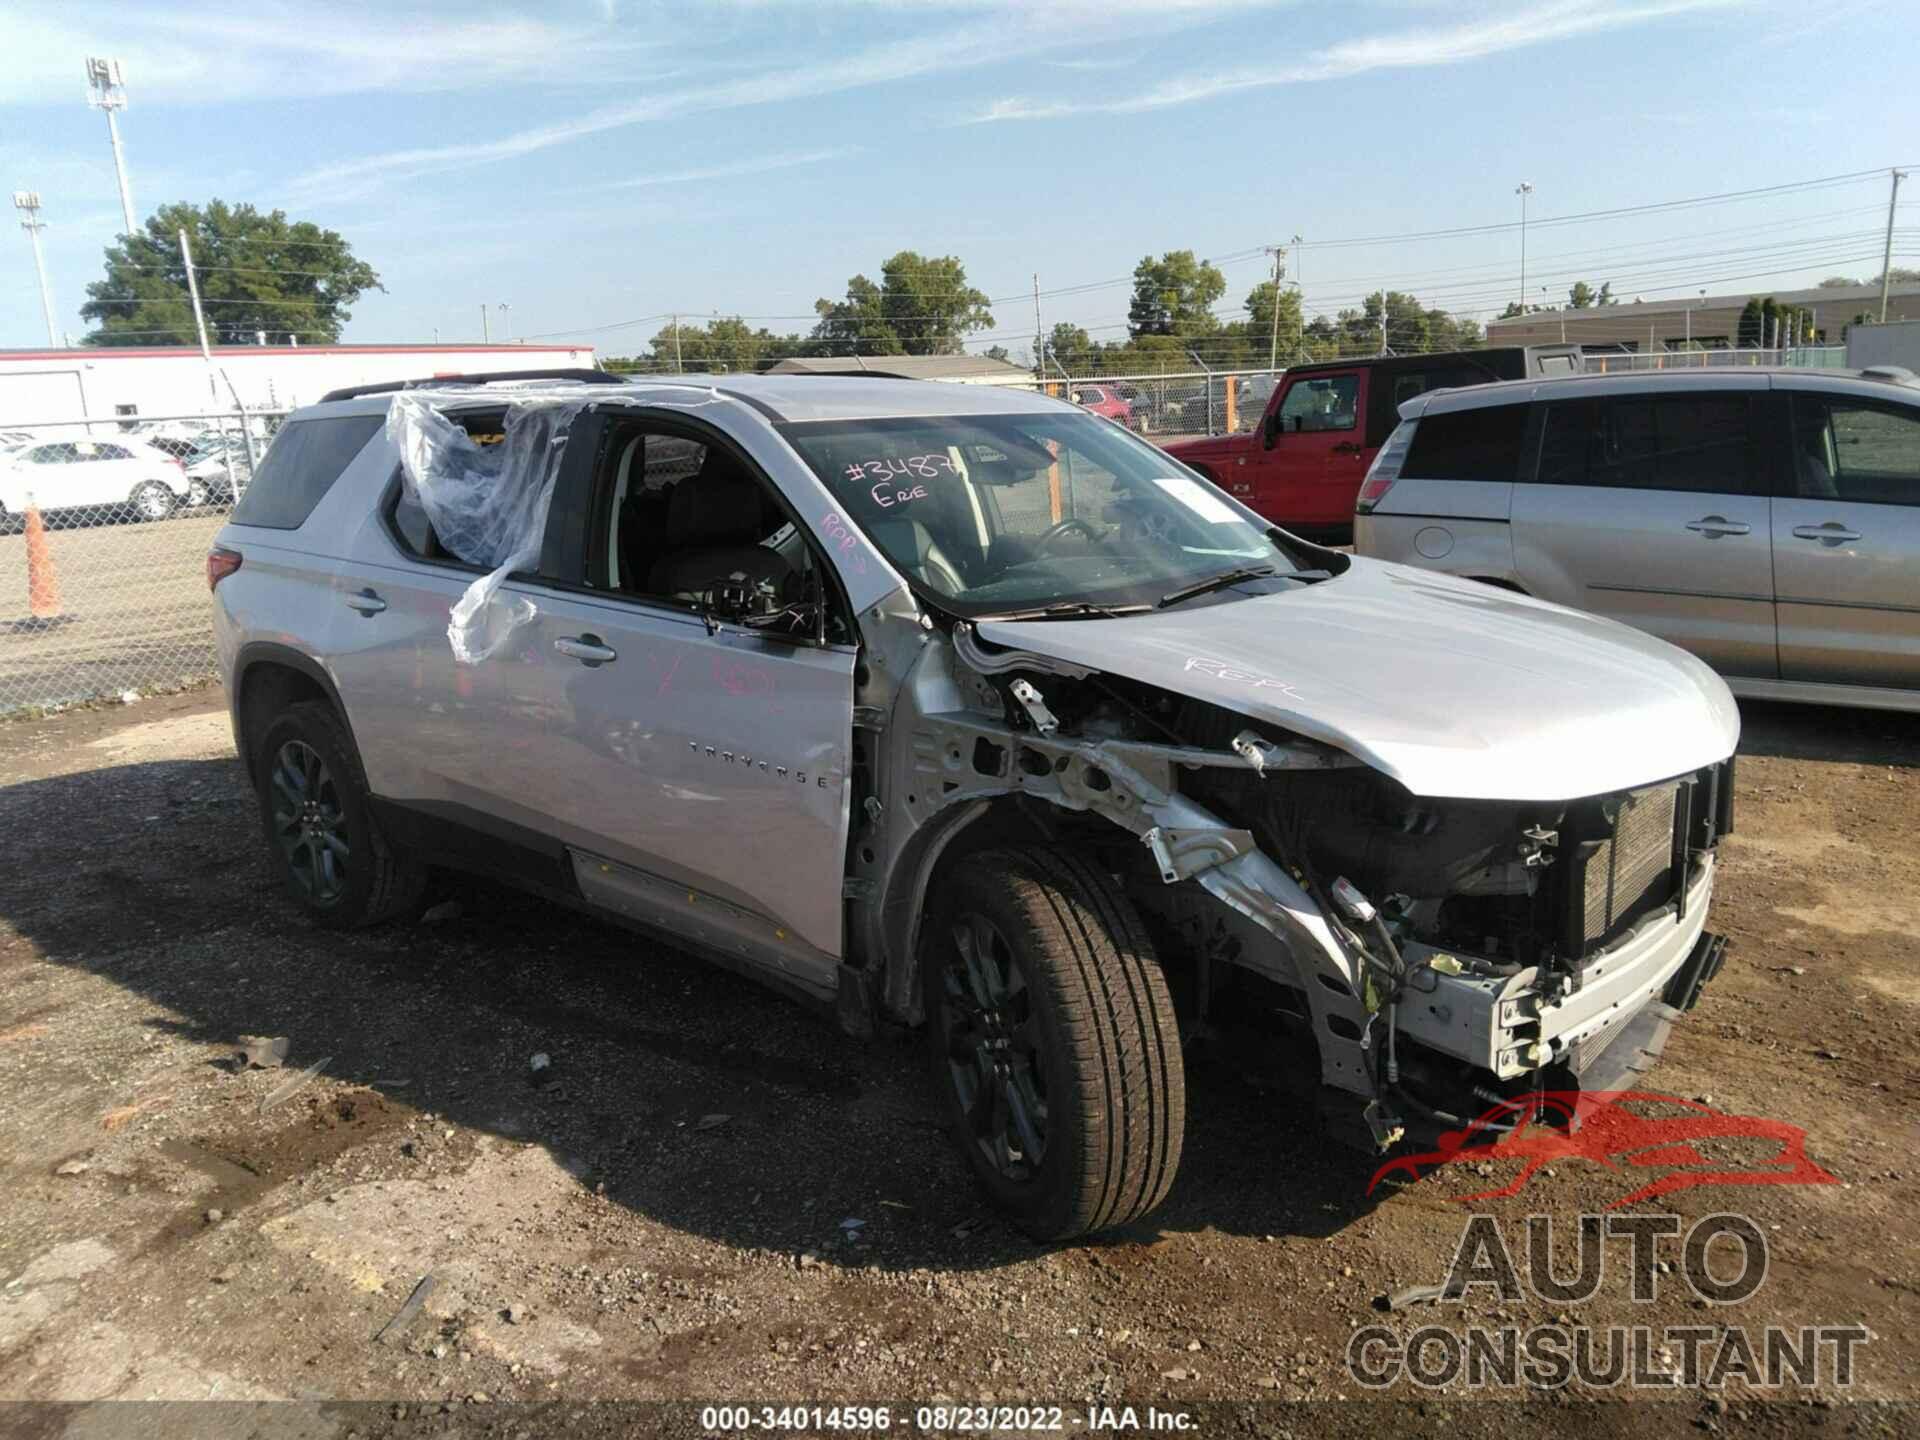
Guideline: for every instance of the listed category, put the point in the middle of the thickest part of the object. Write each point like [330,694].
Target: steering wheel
[1071,523]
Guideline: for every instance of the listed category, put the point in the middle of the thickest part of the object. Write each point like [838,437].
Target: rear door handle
[1832,530]
[366,602]
[587,649]
[1711,525]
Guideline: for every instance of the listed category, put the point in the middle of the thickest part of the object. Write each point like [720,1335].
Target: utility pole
[677,368]
[1279,268]
[1523,189]
[486,330]
[193,291]
[107,81]
[1886,260]
[27,202]
[506,321]
[1039,339]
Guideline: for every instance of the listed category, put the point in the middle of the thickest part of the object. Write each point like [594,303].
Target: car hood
[1451,687]
[1213,447]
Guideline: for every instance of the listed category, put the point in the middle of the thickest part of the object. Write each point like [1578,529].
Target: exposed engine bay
[1432,956]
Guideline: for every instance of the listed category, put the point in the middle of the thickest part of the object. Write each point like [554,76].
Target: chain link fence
[104,530]
[1175,407]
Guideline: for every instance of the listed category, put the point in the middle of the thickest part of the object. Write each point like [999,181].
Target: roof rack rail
[388,387]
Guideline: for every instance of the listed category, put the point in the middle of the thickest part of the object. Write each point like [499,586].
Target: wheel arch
[955,833]
[267,678]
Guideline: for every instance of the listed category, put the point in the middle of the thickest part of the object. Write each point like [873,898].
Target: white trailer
[39,387]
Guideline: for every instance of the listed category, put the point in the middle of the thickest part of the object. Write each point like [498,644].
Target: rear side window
[306,457]
[1846,448]
[1482,444]
[1699,443]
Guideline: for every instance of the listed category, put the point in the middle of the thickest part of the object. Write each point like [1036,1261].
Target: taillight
[221,562]
[1372,493]
[1385,469]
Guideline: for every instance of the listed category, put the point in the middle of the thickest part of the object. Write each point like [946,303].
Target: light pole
[1703,296]
[1523,189]
[27,202]
[108,82]
[506,322]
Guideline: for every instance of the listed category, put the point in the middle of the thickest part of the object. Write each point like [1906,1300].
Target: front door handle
[1346,447]
[587,649]
[1711,525]
[1832,531]
[366,602]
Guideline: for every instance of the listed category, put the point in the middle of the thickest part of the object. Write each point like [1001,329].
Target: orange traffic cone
[43,585]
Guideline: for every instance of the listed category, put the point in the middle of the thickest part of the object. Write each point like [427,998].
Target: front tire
[153,501]
[1053,1040]
[322,838]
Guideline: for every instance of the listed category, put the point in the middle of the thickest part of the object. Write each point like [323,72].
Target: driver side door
[1313,458]
[696,768]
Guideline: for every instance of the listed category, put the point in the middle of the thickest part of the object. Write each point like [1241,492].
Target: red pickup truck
[1302,464]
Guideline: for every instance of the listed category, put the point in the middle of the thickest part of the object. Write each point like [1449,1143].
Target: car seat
[910,546]
[1815,479]
[715,522]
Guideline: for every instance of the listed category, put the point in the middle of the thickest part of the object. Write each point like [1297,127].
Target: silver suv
[1766,520]
[959,707]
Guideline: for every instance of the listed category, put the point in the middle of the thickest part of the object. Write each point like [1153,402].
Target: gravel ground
[715,1196]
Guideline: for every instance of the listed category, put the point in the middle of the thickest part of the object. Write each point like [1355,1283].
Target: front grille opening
[1623,866]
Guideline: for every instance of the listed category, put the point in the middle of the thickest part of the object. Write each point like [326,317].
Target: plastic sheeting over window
[488,501]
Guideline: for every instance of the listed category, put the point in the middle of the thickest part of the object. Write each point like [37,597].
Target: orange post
[1233,420]
[43,585]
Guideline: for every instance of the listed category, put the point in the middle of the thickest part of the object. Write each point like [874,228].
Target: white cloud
[198,54]
[758,165]
[1428,46]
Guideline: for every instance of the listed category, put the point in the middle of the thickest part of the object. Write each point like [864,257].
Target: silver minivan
[1766,520]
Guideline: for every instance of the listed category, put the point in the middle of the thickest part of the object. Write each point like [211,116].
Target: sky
[593,165]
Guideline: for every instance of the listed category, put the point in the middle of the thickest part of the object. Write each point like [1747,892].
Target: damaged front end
[1419,958]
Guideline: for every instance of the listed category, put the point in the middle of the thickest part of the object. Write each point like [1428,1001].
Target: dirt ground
[716,1196]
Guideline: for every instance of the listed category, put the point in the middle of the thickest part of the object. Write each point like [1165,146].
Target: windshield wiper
[1213,582]
[1070,610]
[1234,577]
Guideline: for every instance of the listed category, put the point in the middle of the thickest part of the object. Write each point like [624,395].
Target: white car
[117,479]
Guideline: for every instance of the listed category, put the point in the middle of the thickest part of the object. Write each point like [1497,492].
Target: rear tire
[1053,1042]
[322,838]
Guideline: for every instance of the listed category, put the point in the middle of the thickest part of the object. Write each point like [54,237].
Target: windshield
[994,514]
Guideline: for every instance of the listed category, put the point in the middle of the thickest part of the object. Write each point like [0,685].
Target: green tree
[921,306]
[1069,347]
[1174,295]
[1765,322]
[256,272]
[1581,296]
[1260,306]
[1901,276]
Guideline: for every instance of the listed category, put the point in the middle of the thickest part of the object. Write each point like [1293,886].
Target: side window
[1481,444]
[1860,450]
[1322,404]
[113,452]
[1696,443]
[52,455]
[690,524]
[300,466]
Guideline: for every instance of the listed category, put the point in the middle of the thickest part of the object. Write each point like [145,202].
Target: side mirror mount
[1270,428]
